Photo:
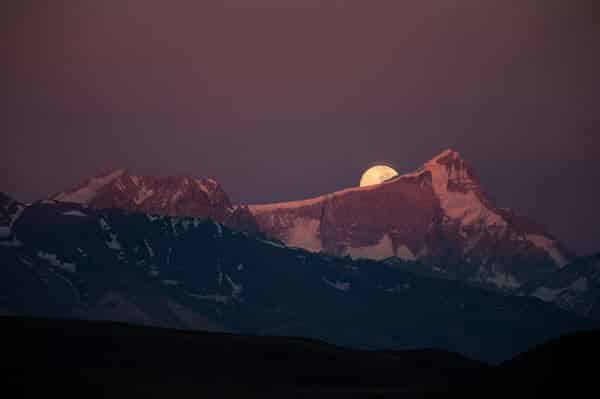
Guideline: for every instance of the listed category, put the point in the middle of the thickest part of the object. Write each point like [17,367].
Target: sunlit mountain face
[439,216]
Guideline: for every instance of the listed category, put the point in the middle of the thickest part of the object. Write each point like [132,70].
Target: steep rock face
[439,214]
[168,196]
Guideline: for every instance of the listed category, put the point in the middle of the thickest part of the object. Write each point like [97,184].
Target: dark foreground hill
[105,359]
[68,358]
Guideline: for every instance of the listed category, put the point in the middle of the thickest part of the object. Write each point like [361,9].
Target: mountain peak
[451,159]
[89,189]
[119,184]
[449,171]
[438,214]
[155,195]
[448,153]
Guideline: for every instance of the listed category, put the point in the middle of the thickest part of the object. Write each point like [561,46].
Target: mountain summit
[439,214]
[166,196]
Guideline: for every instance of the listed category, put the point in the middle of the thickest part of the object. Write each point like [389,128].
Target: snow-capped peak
[459,191]
[88,190]
[171,195]
[458,173]
[142,187]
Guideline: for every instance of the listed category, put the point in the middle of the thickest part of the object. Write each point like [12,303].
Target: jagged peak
[450,166]
[86,191]
[142,186]
[447,165]
[448,153]
[449,158]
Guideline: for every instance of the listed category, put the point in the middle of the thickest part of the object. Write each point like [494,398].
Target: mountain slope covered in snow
[439,215]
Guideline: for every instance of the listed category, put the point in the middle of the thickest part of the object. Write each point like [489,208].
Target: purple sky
[288,99]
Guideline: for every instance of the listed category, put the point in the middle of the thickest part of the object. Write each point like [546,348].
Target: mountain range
[424,259]
[65,260]
[168,196]
[439,215]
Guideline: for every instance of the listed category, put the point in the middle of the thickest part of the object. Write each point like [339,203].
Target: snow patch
[236,289]
[26,262]
[113,243]
[14,243]
[274,244]
[142,195]
[398,288]
[404,253]
[104,225]
[149,249]
[86,193]
[498,279]
[551,294]
[547,245]
[382,250]
[579,285]
[503,280]
[206,185]
[546,294]
[465,207]
[215,297]
[219,230]
[305,234]
[54,261]
[75,213]
[338,285]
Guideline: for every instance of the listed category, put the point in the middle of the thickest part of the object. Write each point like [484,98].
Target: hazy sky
[285,99]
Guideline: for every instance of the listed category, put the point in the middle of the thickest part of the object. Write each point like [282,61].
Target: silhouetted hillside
[69,357]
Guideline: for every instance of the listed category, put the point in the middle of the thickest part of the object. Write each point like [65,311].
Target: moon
[377,174]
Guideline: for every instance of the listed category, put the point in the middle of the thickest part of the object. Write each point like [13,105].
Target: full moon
[377,174]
